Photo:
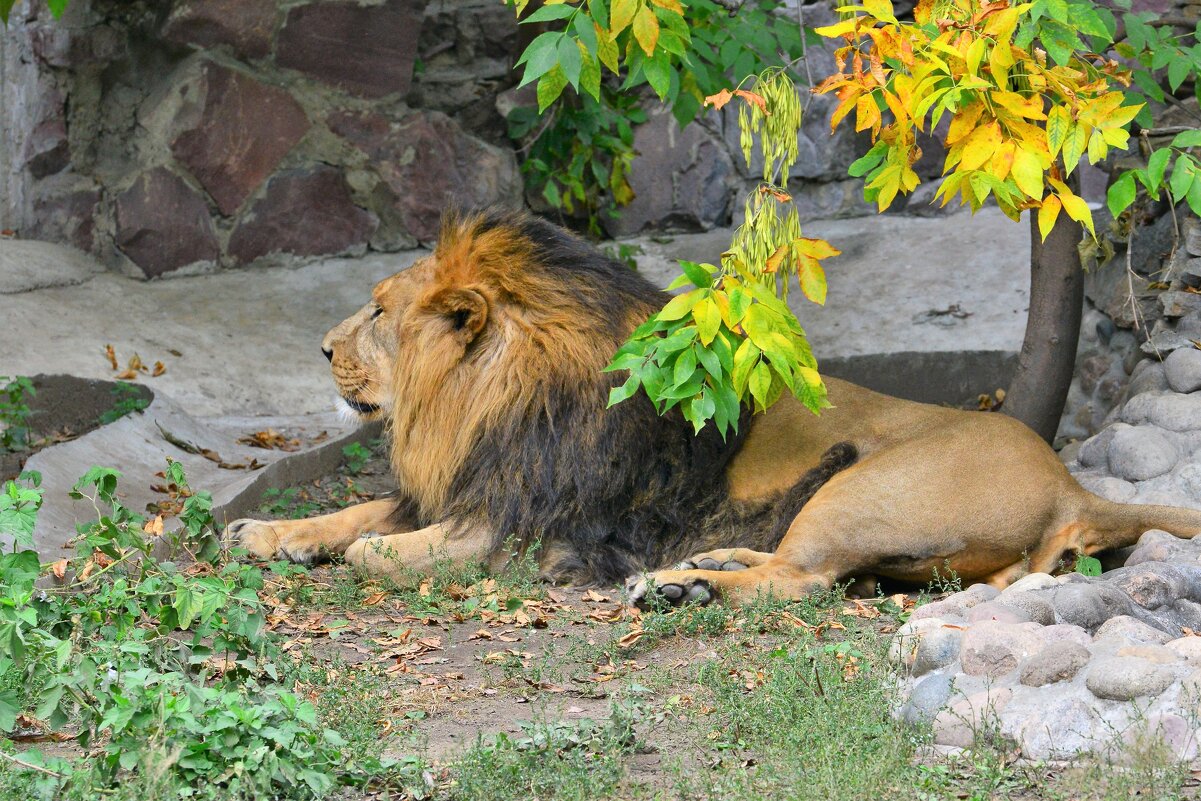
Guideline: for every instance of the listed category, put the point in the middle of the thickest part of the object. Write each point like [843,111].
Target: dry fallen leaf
[112,356]
[154,526]
[374,598]
[159,369]
[59,569]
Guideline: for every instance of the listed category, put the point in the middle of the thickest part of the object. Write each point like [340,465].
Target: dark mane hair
[604,492]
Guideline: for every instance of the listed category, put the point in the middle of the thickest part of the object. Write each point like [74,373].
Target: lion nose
[329,353]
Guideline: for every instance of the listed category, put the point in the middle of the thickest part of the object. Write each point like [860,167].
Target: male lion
[485,360]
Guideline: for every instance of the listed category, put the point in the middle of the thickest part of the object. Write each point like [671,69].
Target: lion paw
[712,560]
[675,587]
[262,540]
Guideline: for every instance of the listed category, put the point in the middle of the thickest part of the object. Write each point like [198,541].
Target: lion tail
[1116,525]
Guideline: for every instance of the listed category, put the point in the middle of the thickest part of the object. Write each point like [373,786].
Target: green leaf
[550,86]
[1193,196]
[590,78]
[1088,565]
[1182,177]
[585,28]
[570,61]
[709,361]
[10,707]
[658,74]
[760,385]
[1157,166]
[540,57]
[1186,139]
[681,305]
[684,369]
[1178,69]
[868,161]
[1121,193]
[697,274]
[624,392]
[550,13]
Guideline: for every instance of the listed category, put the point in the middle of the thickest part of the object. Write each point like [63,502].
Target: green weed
[15,412]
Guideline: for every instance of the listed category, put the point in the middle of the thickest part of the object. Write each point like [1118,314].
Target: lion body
[486,362]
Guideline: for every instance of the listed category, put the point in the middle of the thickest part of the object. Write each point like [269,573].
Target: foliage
[356,455]
[15,412]
[684,50]
[731,339]
[57,7]
[128,399]
[159,668]
[1019,123]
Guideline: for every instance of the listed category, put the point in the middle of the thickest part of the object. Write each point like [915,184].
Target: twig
[1168,130]
[800,21]
[521,151]
[30,766]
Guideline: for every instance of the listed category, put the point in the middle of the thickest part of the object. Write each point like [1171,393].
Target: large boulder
[429,163]
[304,213]
[237,134]
[367,50]
[162,224]
[244,26]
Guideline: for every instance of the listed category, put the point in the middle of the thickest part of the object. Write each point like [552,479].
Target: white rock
[1183,369]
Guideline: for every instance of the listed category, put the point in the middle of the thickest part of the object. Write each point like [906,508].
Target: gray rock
[994,610]
[1126,629]
[27,265]
[1159,654]
[927,697]
[937,647]
[902,650]
[1087,605]
[1172,731]
[1166,410]
[1122,678]
[1183,367]
[1064,632]
[1187,648]
[1028,583]
[1164,342]
[1151,378]
[1059,661]
[1095,450]
[991,648]
[1160,546]
[1061,726]
[971,717]
[1109,488]
[1141,453]
[1031,606]
[1149,584]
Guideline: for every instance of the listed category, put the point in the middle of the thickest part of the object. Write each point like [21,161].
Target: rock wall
[172,138]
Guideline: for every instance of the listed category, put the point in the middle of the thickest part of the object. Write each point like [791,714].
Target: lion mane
[510,430]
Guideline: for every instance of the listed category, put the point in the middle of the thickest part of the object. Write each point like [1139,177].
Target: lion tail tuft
[1120,524]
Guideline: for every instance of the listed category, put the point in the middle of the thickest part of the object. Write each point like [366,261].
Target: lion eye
[377,312]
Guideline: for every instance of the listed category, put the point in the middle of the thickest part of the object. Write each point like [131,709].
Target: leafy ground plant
[15,412]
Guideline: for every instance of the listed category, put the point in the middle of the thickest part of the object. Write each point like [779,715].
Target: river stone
[1109,488]
[1059,661]
[1160,546]
[1158,654]
[1187,648]
[1095,450]
[936,647]
[927,697]
[1121,678]
[1063,725]
[992,648]
[978,713]
[993,610]
[1168,729]
[903,648]
[1166,410]
[1064,632]
[1031,581]
[1088,605]
[1124,627]
[1149,584]
[1141,453]
[1183,369]
[1031,605]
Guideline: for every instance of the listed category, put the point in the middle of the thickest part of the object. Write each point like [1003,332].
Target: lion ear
[466,309]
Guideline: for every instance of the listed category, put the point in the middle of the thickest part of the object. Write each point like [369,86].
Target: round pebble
[1127,630]
[1138,454]
[991,648]
[1121,678]
[1059,661]
[1183,369]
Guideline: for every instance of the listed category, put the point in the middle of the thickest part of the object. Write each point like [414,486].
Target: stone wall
[170,138]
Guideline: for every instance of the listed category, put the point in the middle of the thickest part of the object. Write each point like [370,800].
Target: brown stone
[429,163]
[368,50]
[243,132]
[46,150]
[244,26]
[305,213]
[66,216]
[162,224]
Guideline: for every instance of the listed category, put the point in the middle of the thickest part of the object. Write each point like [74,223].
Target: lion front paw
[273,540]
[675,587]
[712,560]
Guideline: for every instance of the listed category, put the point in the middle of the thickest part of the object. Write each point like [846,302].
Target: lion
[485,360]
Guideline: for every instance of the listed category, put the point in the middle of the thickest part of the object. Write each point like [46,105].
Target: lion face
[411,316]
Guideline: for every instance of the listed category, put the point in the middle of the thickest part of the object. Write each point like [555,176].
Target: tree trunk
[1040,386]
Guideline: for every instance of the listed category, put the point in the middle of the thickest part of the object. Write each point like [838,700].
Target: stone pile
[1056,666]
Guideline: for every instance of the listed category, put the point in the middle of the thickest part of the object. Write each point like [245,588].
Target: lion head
[485,359]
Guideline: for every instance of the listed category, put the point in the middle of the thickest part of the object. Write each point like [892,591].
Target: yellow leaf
[980,145]
[646,30]
[844,28]
[708,320]
[867,114]
[1073,146]
[1027,172]
[1029,107]
[670,5]
[606,49]
[1078,210]
[1059,124]
[1047,215]
[816,248]
[964,122]
[753,99]
[1002,160]
[1097,148]
[776,259]
[880,9]
[999,61]
[975,54]
[1116,137]
[621,14]
[1001,25]
[812,279]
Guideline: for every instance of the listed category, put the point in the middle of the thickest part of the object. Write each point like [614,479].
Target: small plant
[128,399]
[625,252]
[1088,565]
[356,457]
[15,412]
[291,503]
